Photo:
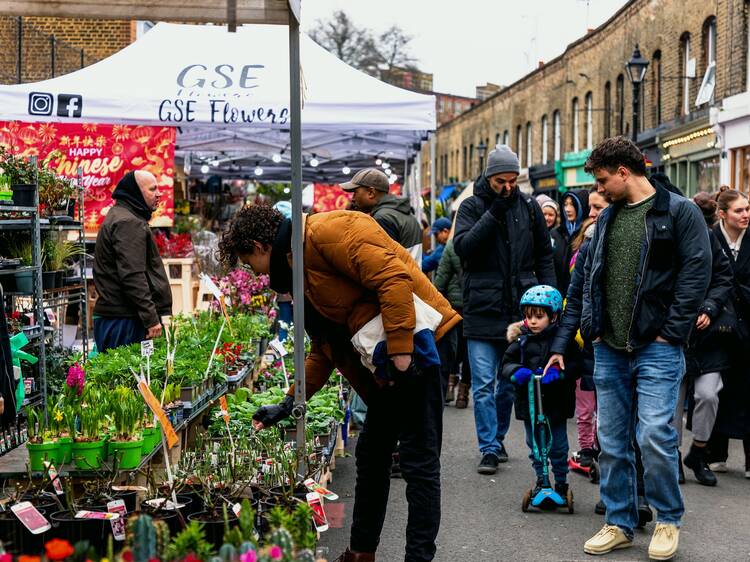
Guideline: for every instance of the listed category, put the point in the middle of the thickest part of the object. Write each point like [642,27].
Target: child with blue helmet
[525,358]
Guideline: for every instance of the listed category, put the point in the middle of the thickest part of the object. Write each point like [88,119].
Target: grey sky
[469,42]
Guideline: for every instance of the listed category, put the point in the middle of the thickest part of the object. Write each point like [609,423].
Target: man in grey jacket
[129,275]
[370,194]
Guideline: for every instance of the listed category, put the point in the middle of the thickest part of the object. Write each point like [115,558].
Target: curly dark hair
[614,152]
[253,223]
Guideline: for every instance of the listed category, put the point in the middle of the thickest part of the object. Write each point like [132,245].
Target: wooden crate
[180,275]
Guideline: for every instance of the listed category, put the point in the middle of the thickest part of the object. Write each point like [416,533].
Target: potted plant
[56,254]
[22,174]
[62,422]
[127,443]
[6,193]
[151,434]
[55,192]
[88,444]
[40,449]
[23,250]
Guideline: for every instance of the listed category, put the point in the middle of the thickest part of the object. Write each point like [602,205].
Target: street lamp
[481,150]
[636,68]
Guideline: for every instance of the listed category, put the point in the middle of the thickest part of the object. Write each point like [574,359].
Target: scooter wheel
[569,499]
[526,501]
[594,473]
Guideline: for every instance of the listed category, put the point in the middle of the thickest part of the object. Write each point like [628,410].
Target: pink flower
[76,378]
[276,553]
[249,556]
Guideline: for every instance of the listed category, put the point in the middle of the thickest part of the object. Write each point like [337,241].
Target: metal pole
[19,52]
[38,293]
[433,147]
[636,104]
[52,53]
[81,58]
[298,284]
[405,187]
[84,310]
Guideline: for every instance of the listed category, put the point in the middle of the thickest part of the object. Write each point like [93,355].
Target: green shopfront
[569,171]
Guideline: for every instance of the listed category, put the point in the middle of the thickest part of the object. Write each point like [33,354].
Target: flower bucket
[40,452]
[126,454]
[151,438]
[88,454]
[65,450]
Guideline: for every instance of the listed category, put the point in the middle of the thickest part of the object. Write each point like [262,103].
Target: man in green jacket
[449,281]
[130,279]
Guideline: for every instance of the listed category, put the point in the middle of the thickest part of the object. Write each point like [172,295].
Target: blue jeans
[114,332]
[285,315]
[637,392]
[558,451]
[493,395]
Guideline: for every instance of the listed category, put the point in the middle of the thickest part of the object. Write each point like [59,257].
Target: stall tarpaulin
[330,197]
[105,153]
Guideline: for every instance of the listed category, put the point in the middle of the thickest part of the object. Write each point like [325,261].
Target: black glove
[273,414]
[499,206]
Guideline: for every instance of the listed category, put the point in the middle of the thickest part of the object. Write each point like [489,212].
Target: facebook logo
[69,105]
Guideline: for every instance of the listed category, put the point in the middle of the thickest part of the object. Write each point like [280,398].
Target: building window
[465,164]
[620,104]
[556,134]
[497,141]
[471,159]
[607,109]
[545,140]
[589,121]
[706,92]
[575,126]
[529,144]
[506,137]
[656,88]
[519,144]
[685,65]
[739,165]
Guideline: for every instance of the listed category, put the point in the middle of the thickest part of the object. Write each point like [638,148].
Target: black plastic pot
[128,497]
[49,279]
[171,518]
[212,526]
[65,526]
[17,538]
[23,195]
[300,492]
[24,281]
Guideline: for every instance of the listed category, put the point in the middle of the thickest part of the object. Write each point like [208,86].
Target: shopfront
[544,180]
[733,124]
[691,157]
[570,173]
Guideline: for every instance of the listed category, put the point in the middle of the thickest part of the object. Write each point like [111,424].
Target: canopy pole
[407,183]
[298,287]
[433,147]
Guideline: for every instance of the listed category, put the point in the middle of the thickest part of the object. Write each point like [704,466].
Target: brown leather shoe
[450,394]
[462,400]
[350,556]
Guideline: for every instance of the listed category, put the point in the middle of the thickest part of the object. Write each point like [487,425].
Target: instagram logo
[40,103]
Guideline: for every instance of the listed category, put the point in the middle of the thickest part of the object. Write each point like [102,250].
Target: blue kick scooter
[547,499]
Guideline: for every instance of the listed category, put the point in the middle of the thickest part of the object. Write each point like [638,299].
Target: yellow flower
[58,416]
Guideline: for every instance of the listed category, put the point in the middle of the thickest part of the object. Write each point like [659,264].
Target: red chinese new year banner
[105,153]
[332,197]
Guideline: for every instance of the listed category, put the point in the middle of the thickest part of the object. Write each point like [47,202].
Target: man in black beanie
[129,275]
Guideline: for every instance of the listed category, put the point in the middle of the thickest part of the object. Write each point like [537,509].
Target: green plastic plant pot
[127,454]
[65,450]
[105,446]
[88,454]
[150,439]
[40,452]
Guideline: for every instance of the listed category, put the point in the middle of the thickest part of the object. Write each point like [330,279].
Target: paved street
[482,519]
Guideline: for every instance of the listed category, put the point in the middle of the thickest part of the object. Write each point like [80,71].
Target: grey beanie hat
[502,159]
[547,201]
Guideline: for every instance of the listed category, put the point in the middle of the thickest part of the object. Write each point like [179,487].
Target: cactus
[246,546]
[306,555]
[141,535]
[162,538]
[281,538]
[228,553]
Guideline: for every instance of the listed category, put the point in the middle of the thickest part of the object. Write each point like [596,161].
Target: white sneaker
[747,474]
[718,466]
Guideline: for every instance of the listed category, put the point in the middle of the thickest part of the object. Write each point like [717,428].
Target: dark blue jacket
[430,262]
[500,259]
[672,279]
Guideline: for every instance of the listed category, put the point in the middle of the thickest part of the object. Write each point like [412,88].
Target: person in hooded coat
[575,209]
[129,275]
[551,211]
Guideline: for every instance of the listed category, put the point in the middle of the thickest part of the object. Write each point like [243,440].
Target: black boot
[562,489]
[645,515]
[681,477]
[538,487]
[696,459]
[600,508]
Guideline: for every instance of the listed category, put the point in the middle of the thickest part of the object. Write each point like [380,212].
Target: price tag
[147,348]
[224,409]
[158,411]
[56,483]
[210,286]
[278,347]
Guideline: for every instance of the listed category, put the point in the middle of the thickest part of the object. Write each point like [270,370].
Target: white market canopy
[229,92]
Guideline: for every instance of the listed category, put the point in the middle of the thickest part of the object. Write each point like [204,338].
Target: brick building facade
[562,109]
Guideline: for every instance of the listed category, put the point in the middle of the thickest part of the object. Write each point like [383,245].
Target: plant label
[224,409]
[118,525]
[236,508]
[210,286]
[164,503]
[278,347]
[147,348]
[313,486]
[158,411]
[31,518]
[103,515]
[53,475]
[319,516]
[129,489]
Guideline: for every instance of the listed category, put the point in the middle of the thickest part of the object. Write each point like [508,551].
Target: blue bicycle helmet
[544,296]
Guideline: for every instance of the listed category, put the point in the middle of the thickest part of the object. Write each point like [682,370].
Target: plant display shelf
[44,224]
